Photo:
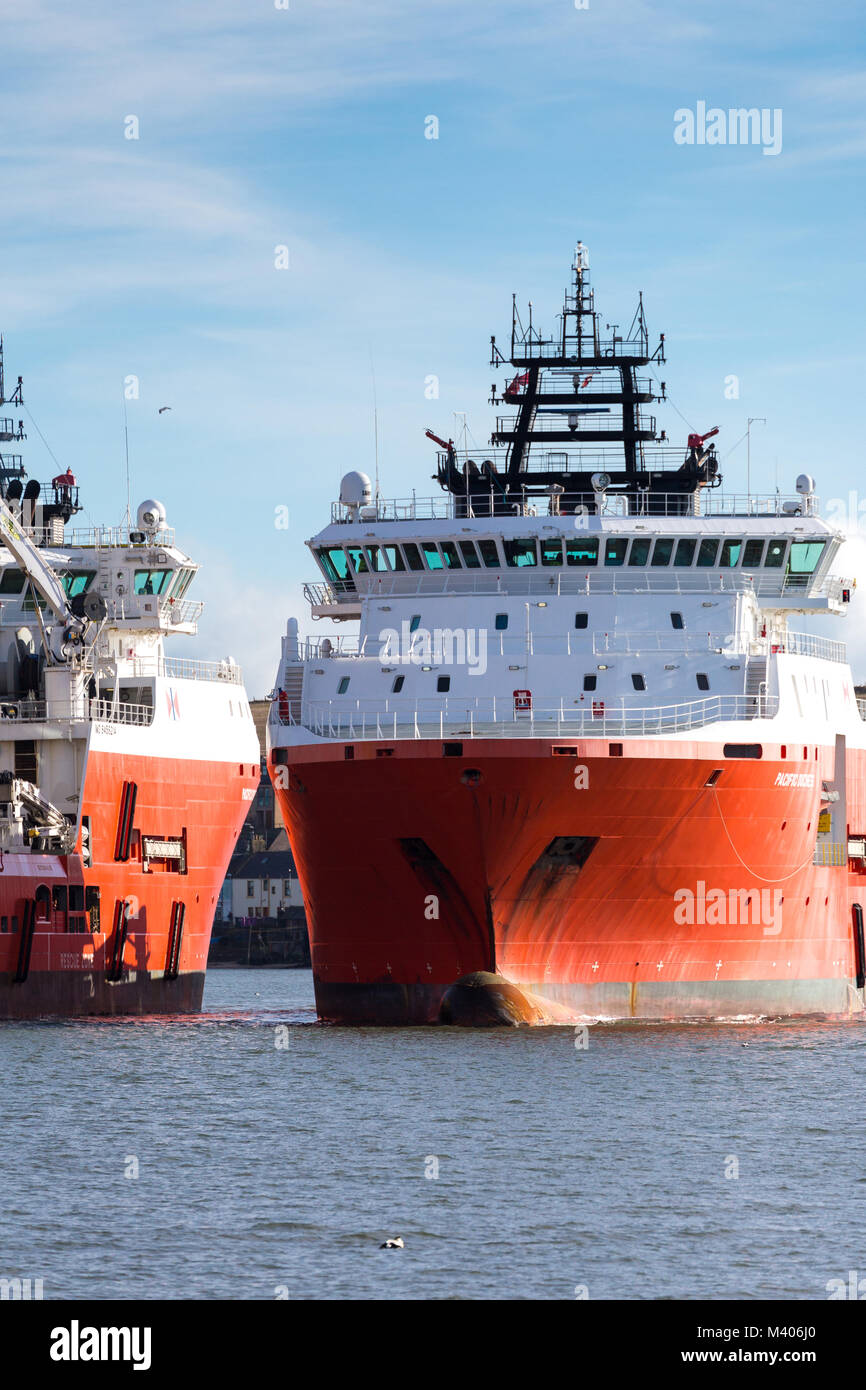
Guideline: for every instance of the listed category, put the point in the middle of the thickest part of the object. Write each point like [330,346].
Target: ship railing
[111,537]
[558,424]
[181,669]
[559,381]
[808,644]
[496,717]
[180,612]
[549,583]
[704,503]
[82,710]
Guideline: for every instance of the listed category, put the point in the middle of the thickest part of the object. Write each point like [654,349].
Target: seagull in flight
[163,409]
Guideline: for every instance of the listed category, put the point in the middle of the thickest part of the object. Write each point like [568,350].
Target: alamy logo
[718,907]
[737,126]
[77,1343]
[462,646]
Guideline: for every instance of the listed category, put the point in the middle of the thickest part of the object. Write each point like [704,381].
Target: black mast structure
[581,388]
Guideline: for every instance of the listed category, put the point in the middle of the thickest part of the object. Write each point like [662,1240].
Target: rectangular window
[470,555]
[590,682]
[359,559]
[443,684]
[551,552]
[490,555]
[583,553]
[395,559]
[376,556]
[677,621]
[501,622]
[344,685]
[431,555]
[413,555]
[753,554]
[662,551]
[251,888]
[743,750]
[581,620]
[804,556]
[11,580]
[707,553]
[520,554]
[414,622]
[334,563]
[685,552]
[640,549]
[398,684]
[287,887]
[638,681]
[452,559]
[703,680]
[614,551]
[775,557]
[730,554]
[152,581]
[78,582]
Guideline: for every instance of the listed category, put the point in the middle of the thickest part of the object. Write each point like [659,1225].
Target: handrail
[74,712]
[179,668]
[496,718]
[704,503]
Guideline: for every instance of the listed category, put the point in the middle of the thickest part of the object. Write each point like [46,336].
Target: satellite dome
[151,516]
[356,490]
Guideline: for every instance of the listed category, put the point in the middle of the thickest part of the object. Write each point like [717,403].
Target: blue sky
[304,127]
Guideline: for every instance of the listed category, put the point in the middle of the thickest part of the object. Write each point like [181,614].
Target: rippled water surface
[264,1167]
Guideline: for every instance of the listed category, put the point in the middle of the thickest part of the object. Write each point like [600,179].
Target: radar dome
[356,490]
[151,516]
[805,484]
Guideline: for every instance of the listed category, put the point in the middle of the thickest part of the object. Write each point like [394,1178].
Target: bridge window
[640,549]
[638,681]
[730,554]
[521,554]
[590,682]
[399,682]
[753,554]
[551,552]
[377,559]
[452,559]
[677,621]
[413,555]
[443,684]
[470,555]
[78,582]
[359,559]
[775,556]
[614,551]
[581,620]
[183,580]
[11,580]
[662,551]
[581,552]
[685,552]
[707,552]
[152,581]
[804,556]
[490,554]
[344,685]
[334,562]
[703,680]
[432,556]
[395,559]
[501,622]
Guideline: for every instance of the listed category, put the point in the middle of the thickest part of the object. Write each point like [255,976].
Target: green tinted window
[11,580]
[359,559]
[152,581]
[730,554]
[470,555]
[775,557]
[431,555]
[662,551]
[377,559]
[334,561]
[452,559]
[640,549]
[521,554]
[551,552]
[753,554]
[804,556]
[707,553]
[78,582]
[582,552]
[395,559]
[614,550]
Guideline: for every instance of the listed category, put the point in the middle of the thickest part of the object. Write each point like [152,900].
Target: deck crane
[71,626]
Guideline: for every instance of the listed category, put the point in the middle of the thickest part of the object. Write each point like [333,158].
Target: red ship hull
[595,880]
[56,960]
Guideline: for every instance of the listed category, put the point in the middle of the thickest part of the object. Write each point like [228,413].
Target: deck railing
[74,712]
[496,718]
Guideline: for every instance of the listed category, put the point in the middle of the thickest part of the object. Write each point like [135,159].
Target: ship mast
[582,387]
